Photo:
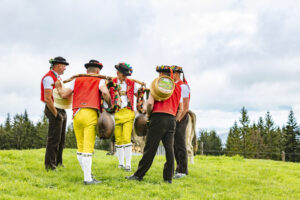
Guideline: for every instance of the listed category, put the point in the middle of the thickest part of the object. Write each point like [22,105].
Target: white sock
[128,154]
[120,154]
[79,158]
[87,166]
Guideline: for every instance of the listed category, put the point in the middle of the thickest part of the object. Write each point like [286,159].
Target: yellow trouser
[123,126]
[84,123]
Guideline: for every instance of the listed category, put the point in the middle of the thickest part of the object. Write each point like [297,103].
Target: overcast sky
[234,53]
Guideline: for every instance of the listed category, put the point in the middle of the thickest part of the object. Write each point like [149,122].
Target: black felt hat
[124,68]
[163,68]
[177,68]
[58,60]
[93,63]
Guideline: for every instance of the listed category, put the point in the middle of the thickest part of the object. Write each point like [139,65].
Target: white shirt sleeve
[101,83]
[72,84]
[185,91]
[47,82]
[135,88]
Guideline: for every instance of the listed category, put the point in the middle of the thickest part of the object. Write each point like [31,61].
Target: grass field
[22,176]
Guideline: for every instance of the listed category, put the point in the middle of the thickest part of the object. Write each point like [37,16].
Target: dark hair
[166,73]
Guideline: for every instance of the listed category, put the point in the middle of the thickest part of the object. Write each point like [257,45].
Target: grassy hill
[22,176]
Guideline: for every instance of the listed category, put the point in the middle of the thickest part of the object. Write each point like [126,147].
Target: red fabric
[50,73]
[169,106]
[180,82]
[86,93]
[129,92]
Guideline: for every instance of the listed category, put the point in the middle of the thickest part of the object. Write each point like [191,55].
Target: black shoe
[93,182]
[110,153]
[60,165]
[168,181]
[121,167]
[133,177]
[48,168]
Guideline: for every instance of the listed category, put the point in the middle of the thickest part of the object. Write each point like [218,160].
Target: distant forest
[258,140]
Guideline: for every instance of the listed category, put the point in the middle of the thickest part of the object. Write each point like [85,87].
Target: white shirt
[48,81]
[124,97]
[185,91]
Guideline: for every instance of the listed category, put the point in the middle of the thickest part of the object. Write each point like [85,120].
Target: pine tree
[245,121]
[212,144]
[290,141]
[7,125]
[234,141]
[70,137]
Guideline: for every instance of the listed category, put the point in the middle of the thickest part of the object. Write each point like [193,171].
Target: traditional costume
[161,128]
[180,150]
[124,118]
[57,125]
[86,106]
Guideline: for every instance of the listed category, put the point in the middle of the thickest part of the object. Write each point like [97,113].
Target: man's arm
[149,105]
[49,102]
[185,108]
[63,92]
[179,112]
[106,95]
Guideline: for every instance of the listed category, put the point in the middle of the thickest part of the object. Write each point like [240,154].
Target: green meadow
[22,176]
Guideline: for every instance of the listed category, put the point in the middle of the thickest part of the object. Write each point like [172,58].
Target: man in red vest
[180,151]
[87,92]
[124,118]
[57,117]
[162,127]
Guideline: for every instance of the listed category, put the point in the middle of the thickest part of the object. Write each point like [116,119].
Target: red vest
[86,93]
[53,76]
[169,106]
[180,82]
[129,92]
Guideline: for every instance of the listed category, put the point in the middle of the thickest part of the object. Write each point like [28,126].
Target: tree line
[21,133]
[259,140]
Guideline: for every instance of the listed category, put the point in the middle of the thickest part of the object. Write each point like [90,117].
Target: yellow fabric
[84,123]
[123,126]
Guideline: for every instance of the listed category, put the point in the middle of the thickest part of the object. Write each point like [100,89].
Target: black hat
[163,68]
[58,60]
[124,68]
[93,63]
[177,68]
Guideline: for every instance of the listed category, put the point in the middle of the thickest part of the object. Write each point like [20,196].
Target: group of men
[168,119]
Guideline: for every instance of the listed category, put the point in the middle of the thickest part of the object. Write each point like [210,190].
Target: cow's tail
[194,141]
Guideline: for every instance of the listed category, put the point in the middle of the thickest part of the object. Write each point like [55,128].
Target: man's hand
[58,84]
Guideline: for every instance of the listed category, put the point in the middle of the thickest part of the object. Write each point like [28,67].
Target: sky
[234,53]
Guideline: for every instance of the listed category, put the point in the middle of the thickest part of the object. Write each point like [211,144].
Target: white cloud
[234,53]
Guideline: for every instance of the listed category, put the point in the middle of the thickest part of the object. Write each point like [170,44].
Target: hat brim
[60,62]
[87,65]
[126,73]
[163,70]
[179,71]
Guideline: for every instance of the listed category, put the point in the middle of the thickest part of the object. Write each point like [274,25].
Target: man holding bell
[180,151]
[163,114]
[124,118]
[87,92]
[57,116]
